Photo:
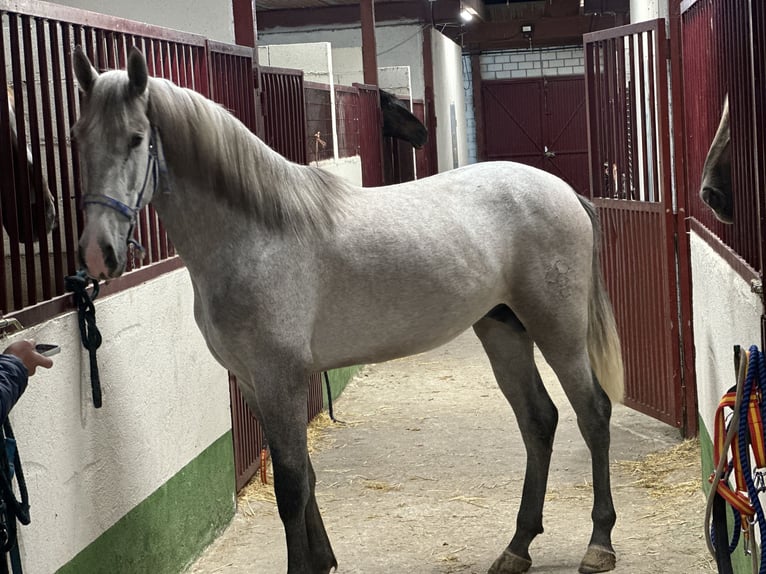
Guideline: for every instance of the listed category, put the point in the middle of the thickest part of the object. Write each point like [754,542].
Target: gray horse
[296,271]
[715,190]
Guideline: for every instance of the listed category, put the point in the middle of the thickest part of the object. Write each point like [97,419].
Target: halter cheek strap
[155,166]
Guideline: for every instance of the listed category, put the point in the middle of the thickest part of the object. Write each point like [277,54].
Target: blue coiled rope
[756,372]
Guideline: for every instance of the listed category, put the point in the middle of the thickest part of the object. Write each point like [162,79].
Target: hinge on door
[756,286]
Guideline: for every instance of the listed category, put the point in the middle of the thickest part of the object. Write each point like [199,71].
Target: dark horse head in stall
[399,123]
[38,204]
[715,190]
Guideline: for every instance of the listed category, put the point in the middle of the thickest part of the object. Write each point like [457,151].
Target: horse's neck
[204,229]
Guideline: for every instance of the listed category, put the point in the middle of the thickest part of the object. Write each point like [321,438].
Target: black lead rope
[89,333]
[11,509]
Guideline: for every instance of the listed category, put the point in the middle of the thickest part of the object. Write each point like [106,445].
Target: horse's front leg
[281,408]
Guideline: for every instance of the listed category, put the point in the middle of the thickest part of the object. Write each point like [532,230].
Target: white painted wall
[397,80]
[397,45]
[164,401]
[347,66]
[314,58]
[642,10]
[726,313]
[213,19]
[449,93]
[349,168]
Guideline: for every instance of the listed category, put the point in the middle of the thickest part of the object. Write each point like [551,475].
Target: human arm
[18,362]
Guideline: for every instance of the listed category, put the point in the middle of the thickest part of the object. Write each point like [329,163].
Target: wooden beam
[485,36]
[443,12]
[428,80]
[478,107]
[369,48]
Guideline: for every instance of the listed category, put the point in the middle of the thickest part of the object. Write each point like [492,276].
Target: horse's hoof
[598,559]
[510,563]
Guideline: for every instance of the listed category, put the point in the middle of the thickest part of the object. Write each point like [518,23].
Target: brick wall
[470,116]
[532,63]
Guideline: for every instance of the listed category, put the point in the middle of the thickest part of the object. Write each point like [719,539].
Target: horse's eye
[136,140]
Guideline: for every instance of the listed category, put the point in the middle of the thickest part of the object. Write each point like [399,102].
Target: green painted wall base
[740,563]
[165,532]
[339,378]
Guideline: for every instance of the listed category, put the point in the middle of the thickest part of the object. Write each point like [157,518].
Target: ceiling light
[467,13]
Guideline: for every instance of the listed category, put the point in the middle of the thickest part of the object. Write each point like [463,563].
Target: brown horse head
[715,190]
[21,189]
[399,123]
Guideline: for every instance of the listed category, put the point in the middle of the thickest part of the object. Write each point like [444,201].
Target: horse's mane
[204,140]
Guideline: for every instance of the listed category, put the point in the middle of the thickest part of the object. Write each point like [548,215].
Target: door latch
[549,154]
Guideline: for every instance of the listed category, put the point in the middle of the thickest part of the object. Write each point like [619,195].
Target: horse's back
[421,262]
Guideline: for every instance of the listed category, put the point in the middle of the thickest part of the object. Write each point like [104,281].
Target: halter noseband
[154,166]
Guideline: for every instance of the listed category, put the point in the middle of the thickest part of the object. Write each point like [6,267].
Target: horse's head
[27,196]
[716,173]
[117,148]
[399,123]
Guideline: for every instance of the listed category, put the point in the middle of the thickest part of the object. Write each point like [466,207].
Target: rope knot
[89,334]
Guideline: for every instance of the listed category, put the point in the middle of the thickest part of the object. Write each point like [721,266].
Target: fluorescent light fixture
[467,13]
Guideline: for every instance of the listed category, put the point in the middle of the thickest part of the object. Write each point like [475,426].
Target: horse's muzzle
[100,260]
[720,202]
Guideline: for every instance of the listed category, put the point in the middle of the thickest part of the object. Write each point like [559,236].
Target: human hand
[25,351]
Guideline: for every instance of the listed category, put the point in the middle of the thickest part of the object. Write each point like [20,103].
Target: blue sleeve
[13,383]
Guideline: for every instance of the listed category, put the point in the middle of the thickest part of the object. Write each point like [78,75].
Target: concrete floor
[426,478]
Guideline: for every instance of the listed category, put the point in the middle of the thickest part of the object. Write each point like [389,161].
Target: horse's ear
[137,72]
[85,72]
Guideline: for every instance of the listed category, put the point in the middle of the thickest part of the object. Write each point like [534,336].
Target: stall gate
[628,109]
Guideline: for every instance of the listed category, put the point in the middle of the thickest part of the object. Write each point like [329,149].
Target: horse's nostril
[110,257]
[711,196]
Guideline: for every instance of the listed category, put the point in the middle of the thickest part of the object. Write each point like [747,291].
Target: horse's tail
[603,341]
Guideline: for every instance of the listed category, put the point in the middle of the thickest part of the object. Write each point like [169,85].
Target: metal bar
[72,105]
[50,158]
[21,207]
[6,174]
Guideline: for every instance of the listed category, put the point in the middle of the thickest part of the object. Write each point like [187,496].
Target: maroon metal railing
[284,112]
[628,115]
[319,122]
[231,80]
[622,82]
[717,60]
[36,49]
[347,116]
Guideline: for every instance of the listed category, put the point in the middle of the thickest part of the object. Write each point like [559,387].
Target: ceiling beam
[441,12]
[546,31]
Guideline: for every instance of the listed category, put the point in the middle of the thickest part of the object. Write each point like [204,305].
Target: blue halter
[154,166]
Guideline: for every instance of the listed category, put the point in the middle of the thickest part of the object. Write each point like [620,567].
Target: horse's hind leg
[566,353]
[283,415]
[510,352]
